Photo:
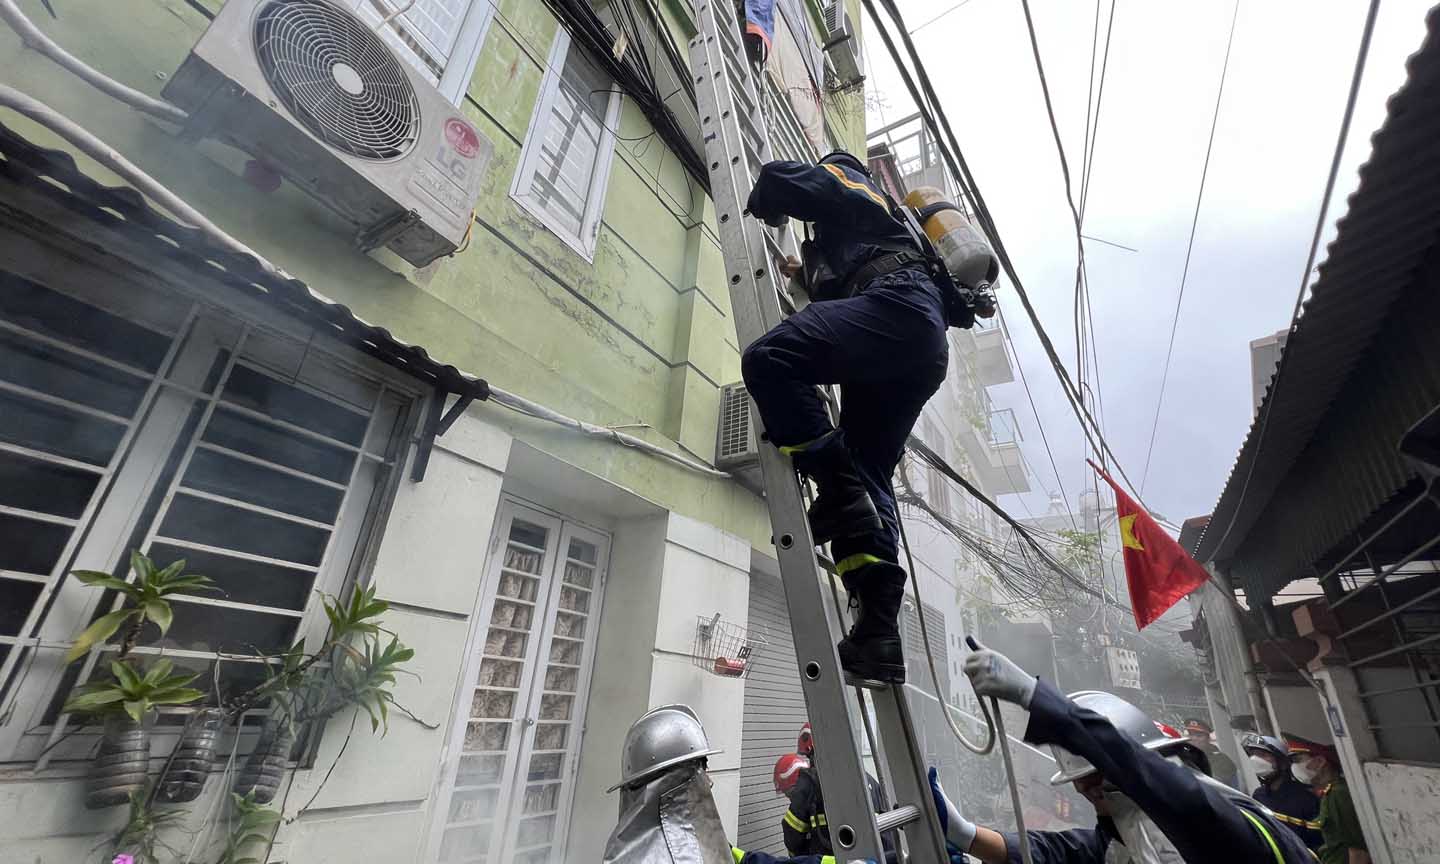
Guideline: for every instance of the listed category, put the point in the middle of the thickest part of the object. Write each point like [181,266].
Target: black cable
[1020,367]
[1189,246]
[1265,410]
[949,148]
[1094,133]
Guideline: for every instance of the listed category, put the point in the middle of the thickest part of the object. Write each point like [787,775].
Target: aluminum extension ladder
[736,145]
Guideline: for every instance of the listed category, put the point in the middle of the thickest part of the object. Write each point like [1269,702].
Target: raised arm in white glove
[996,675]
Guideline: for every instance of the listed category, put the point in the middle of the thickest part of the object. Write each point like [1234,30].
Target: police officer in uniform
[1153,798]
[877,329]
[1292,802]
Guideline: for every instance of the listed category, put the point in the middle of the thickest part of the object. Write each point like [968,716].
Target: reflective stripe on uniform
[1296,821]
[1264,832]
[855,562]
[858,187]
[794,821]
[818,821]
[737,854]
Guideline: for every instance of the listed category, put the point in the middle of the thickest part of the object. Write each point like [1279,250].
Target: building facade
[296,432]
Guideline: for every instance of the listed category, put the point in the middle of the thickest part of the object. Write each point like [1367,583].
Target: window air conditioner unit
[311,91]
[841,45]
[735,445]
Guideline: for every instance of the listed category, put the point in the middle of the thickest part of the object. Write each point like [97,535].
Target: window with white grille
[440,38]
[565,163]
[131,419]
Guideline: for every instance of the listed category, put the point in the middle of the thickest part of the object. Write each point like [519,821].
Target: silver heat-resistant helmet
[661,739]
[1123,716]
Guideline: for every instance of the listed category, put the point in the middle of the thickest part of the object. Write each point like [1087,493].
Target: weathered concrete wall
[640,336]
[1405,797]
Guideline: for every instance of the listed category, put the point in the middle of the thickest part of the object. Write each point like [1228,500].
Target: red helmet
[787,772]
[805,746]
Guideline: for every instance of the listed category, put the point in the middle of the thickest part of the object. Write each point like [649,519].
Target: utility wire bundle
[627,57]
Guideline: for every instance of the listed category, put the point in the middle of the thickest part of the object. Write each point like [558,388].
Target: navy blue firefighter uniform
[1206,821]
[1296,805]
[806,830]
[877,329]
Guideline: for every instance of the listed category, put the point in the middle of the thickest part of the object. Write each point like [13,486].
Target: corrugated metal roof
[1391,224]
[126,211]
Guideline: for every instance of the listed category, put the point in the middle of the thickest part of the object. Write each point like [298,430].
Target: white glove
[959,831]
[996,675]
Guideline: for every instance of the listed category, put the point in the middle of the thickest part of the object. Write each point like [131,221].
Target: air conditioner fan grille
[337,78]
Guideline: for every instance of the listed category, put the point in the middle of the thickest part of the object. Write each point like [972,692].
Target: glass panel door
[556,712]
[502,665]
[509,778]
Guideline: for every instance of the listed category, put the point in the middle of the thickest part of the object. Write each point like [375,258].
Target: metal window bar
[212,401]
[1347,580]
[102,487]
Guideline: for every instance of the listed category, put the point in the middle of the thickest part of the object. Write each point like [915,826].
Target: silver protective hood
[669,819]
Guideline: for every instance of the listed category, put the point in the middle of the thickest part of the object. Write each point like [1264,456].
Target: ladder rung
[892,819]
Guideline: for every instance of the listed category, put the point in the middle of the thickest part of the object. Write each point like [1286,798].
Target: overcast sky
[1289,71]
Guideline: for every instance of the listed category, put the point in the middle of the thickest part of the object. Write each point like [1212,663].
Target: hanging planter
[120,768]
[193,758]
[265,767]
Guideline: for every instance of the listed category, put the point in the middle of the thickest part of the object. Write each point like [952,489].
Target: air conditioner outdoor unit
[311,91]
[841,45]
[735,445]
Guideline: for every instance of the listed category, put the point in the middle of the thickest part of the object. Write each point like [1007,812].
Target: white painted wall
[1405,797]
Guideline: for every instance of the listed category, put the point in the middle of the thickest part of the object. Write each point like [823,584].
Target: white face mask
[1264,768]
[1144,842]
[1305,772]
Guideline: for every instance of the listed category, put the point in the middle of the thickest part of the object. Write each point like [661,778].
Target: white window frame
[584,243]
[460,66]
[27,737]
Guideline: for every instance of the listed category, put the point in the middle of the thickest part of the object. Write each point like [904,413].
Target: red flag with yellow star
[1158,570]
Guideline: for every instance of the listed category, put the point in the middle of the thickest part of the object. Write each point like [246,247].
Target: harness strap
[882,266]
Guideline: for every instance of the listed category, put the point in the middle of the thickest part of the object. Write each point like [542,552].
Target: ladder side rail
[756,308]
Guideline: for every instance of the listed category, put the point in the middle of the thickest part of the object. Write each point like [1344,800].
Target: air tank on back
[967,255]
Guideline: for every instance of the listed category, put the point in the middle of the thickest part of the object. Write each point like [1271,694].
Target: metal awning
[54,174]
[1376,261]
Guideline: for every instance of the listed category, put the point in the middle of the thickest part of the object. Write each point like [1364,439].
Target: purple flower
[124,858]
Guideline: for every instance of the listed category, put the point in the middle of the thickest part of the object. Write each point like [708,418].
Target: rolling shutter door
[774,713]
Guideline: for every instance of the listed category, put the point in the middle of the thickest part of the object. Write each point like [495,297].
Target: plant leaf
[177,696]
[159,611]
[89,702]
[125,675]
[159,671]
[136,708]
[169,573]
[101,629]
[141,567]
[101,579]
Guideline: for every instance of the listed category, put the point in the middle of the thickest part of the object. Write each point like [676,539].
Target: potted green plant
[303,690]
[194,755]
[123,704]
[138,840]
[253,825]
[145,596]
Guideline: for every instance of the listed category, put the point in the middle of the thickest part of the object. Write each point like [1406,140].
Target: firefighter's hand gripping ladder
[736,145]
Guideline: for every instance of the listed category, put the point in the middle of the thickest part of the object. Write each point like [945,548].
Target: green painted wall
[641,336]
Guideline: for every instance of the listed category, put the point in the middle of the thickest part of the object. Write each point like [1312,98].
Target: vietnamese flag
[1158,570]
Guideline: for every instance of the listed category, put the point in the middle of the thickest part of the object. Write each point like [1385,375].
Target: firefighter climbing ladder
[736,145]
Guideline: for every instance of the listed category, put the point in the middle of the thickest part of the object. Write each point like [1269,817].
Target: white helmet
[661,739]
[1124,717]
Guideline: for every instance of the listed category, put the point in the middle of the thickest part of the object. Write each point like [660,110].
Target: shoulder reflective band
[794,821]
[1296,821]
[851,184]
[1264,832]
[737,854]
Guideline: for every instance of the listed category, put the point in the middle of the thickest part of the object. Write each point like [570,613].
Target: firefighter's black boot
[873,651]
[842,506]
